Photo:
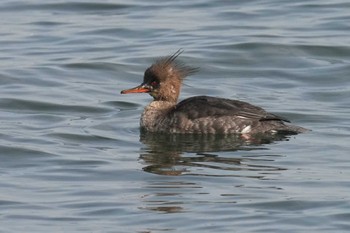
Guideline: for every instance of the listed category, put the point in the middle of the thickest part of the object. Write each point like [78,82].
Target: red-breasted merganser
[199,114]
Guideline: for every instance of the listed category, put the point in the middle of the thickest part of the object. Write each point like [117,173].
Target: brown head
[163,79]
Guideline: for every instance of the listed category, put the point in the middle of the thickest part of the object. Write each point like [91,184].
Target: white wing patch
[246,129]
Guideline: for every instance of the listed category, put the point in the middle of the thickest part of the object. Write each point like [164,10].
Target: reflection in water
[167,196]
[165,154]
[209,156]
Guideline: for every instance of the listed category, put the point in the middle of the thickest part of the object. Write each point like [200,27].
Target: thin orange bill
[138,89]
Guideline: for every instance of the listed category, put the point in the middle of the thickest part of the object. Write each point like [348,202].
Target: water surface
[73,158]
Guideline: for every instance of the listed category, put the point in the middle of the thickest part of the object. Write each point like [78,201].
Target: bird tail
[292,129]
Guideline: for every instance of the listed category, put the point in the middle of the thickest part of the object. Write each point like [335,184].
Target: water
[73,159]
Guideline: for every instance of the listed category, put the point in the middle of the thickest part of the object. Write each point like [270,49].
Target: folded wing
[205,106]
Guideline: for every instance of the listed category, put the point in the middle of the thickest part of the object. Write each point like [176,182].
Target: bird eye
[154,83]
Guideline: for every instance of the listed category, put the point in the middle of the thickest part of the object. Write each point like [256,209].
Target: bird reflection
[181,154]
[207,156]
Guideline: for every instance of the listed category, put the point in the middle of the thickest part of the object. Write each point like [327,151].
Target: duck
[199,114]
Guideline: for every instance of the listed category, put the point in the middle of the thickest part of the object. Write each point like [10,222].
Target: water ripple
[72,155]
[65,6]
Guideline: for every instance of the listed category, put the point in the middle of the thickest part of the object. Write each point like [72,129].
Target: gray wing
[205,106]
